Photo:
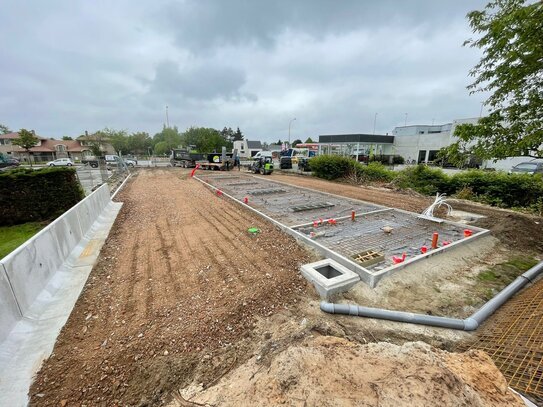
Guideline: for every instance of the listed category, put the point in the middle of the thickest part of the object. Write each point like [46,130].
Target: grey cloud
[255,64]
[200,25]
[200,82]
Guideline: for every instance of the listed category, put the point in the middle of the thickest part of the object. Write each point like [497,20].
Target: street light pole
[167,118]
[289,131]
[374,122]
[405,123]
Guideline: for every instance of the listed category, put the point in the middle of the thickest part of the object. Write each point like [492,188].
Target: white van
[261,154]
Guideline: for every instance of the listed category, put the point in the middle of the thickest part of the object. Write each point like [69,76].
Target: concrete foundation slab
[332,231]
[329,277]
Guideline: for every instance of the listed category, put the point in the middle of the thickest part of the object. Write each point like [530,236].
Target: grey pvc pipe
[469,324]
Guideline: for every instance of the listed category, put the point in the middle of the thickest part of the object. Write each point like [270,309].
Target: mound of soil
[330,371]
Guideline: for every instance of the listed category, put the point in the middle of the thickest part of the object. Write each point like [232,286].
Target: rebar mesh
[513,337]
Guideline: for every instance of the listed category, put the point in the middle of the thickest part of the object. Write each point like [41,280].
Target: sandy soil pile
[329,371]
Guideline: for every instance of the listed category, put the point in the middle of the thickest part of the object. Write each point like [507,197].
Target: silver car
[529,167]
[60,162]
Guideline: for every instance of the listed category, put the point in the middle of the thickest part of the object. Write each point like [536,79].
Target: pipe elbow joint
[470,324]
[327,307]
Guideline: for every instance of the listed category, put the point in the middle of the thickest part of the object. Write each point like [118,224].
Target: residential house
[47,149]
[247,148]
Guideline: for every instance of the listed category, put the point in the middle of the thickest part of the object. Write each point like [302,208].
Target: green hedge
[332,166]
[491,187]
[29,196]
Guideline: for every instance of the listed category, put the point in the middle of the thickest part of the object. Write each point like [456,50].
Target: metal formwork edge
[369,277]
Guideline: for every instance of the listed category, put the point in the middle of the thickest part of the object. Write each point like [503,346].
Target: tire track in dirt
[181,275]
[128,297]
[165,248]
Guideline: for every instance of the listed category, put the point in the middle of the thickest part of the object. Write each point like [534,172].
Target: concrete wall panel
[89,209]
[67,232]
[9,311]
[32,265]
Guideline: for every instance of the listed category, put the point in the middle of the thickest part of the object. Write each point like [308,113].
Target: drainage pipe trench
[469,324]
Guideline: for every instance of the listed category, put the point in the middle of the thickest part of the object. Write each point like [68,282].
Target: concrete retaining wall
[24,273]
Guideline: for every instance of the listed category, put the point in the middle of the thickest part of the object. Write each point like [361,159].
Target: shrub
[398,160]
[500,189]
[374,171]
[332,166]
[30,196]
[423,179]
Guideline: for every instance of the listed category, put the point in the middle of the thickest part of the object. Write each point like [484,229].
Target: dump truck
[184,158]
[211,161]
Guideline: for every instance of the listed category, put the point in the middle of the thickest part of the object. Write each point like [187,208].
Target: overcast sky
[67,66]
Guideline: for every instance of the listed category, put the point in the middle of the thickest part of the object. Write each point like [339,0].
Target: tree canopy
[26,140]
[4,129]
[205,139]
[309,140]
[169,136]
[511,69]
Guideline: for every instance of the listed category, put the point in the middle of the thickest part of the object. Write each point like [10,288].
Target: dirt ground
[178,274]
[183,294]
[327,371]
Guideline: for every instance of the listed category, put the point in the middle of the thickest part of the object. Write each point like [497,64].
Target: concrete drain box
[329,277]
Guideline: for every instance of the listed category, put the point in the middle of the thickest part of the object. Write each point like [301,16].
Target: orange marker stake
[435,237]
[353,214]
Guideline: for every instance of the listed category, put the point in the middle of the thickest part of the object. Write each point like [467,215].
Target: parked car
[528,167]
[59,162]
[8,162]
[112,160]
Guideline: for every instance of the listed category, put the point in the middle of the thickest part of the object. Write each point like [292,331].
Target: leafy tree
[228,134]
[139,143]
[238,135]
[205,140]
[66,138]
[309,140]
[161,148]
[96,143]
[170,136]
[117,138]
[279,142]
[26,141]
[512,69]
[295,142]
[4,129]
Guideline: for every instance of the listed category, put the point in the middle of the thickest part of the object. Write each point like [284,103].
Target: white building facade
[247,148]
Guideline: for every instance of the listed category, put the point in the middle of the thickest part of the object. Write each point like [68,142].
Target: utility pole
[289,131]
[374,122]
[167,118]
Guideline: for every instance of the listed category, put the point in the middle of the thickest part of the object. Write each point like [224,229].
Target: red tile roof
[48,145]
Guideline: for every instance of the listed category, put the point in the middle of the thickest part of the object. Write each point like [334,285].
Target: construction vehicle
[263,165]
[184,158]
